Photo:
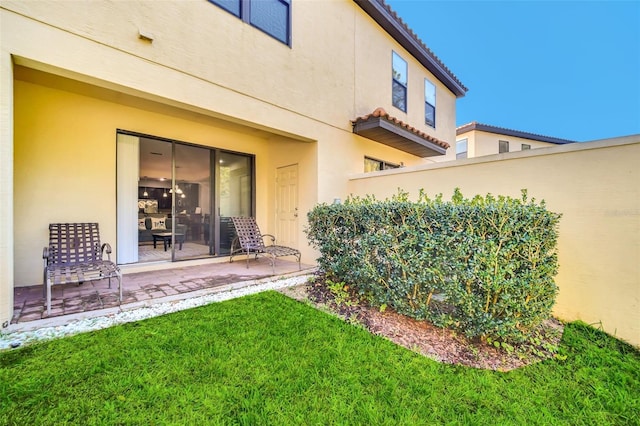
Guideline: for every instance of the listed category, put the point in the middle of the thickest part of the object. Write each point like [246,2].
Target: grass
[267,359]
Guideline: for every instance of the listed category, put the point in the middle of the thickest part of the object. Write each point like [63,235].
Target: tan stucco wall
[65,167]
[284,153]
[338,67]
[200,39]
[595,187]
[6,190]
[373,86]
[205,75]
[75,160]
[487,143]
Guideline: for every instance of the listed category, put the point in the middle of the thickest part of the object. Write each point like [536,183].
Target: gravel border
[18,338]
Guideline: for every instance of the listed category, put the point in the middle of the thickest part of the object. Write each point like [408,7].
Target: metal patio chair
[250,241]
[74,255]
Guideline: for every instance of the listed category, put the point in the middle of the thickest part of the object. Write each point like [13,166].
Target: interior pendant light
[145,193]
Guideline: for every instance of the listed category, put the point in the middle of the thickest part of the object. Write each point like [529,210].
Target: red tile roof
[380,112]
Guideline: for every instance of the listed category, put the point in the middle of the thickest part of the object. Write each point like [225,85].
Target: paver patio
[146,287]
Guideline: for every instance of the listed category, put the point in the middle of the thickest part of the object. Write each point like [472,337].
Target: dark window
[271,16]
[429,103]
[373,165]
[232,6]
[503,146]
[525,146]
[399,82]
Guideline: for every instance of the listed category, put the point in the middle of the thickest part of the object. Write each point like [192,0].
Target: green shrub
[484,266]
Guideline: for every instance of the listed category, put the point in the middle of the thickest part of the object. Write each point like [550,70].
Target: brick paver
[29,302]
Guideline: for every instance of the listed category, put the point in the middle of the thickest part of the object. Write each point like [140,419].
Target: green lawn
[267,359]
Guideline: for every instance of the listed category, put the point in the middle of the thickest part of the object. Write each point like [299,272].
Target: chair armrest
[45,256]
[273,239]
[106,246]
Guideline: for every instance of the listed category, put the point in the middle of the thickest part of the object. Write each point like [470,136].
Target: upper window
[399,82]
[525,146]
[503,146]
[461,148]
[429,103]
[232,6]
[271,16]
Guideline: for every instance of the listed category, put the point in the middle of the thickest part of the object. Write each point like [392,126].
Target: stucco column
[6,189]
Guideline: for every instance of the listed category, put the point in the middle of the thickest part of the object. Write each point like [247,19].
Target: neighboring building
[476,139]
[196,111]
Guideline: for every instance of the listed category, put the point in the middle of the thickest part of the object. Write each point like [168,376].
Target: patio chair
[74,255]
[249,241]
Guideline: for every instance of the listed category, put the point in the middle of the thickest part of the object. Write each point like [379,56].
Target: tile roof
[386,17]
[474,125]
[383,128]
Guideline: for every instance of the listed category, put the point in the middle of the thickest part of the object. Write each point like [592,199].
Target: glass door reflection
[191,194]
[235,176]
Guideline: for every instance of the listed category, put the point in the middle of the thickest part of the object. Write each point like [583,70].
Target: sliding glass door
[235,177]
[185,196]
[192,201]
[155,203]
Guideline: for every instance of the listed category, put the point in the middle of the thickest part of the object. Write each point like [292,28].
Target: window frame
[525,147]
[221,6]
[245,14]
[428,83]
[384,165]
[466,149]
[395,81]
[503,146]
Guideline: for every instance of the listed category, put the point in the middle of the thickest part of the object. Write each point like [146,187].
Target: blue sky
[567,69]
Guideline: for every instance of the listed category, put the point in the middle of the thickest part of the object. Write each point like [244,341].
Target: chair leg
[48,298]
[120,285]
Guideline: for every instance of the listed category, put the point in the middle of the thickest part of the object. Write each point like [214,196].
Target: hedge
[484,266]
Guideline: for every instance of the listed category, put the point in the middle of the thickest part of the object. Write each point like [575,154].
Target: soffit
[383,128]
[34,72]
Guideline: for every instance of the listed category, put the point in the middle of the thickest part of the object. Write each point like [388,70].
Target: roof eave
[383,131]
[382,16]
[510,132]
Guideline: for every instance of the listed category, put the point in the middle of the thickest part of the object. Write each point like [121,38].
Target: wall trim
[538,152]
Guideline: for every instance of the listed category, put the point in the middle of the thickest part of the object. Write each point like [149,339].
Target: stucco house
[476,139]
[132,113]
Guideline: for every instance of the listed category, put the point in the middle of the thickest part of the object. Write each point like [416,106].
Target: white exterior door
[287,206]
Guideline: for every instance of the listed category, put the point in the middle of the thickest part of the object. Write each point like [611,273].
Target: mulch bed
[442,345]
